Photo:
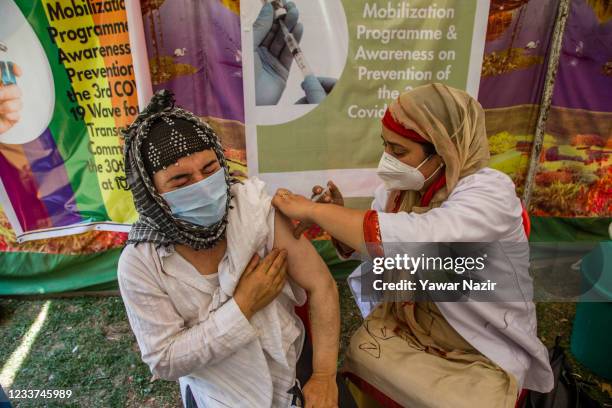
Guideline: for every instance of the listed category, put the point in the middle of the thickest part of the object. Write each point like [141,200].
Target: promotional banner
[195,50]
[572,197]
[69,66]
[574,177]
[201,64]
[318,77]
[516,52]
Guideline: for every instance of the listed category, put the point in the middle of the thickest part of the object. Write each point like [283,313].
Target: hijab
[454,123]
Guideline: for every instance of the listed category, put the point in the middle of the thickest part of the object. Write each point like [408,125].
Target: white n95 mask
[400,176]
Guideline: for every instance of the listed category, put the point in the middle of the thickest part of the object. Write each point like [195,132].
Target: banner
[201,65]
[318,118]
[574,177]
[572,198]
[516,52]
[61,167]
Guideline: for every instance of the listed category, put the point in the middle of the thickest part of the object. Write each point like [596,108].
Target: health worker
[436,187]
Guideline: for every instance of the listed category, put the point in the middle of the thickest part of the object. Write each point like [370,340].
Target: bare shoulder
[283,233]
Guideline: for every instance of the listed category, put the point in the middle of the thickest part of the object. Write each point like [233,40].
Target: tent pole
[551,74]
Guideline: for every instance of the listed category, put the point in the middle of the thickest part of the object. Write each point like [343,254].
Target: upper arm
[305,266]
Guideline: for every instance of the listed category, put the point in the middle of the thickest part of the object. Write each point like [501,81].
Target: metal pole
[551,74]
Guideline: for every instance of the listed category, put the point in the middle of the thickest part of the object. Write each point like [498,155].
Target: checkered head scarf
[159,137]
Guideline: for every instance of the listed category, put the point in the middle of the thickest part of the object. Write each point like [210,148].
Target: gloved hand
[316,89]
[272,57]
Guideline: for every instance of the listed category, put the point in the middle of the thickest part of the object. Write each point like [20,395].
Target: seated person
[208,295]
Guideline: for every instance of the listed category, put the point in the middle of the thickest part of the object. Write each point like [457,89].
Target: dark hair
[428,148]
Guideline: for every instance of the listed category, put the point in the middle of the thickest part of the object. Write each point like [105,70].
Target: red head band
[397,127]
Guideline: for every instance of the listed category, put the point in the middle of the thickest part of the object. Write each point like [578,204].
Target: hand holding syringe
[279,16]
[328,195]
[269,55]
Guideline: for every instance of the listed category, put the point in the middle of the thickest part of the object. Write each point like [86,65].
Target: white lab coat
[483,207]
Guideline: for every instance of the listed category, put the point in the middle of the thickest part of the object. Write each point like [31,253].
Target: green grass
[86,345]
[555,319]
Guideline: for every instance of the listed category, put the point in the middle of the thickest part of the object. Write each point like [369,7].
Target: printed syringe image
[279,15]
[7,68]
[277,33]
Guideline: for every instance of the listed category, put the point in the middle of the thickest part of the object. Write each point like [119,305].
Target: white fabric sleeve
[380,198]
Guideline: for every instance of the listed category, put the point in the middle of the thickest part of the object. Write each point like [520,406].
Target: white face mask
[400,176]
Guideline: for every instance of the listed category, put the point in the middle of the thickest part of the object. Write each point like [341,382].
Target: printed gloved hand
[272,57]
[10,103]
[316,89]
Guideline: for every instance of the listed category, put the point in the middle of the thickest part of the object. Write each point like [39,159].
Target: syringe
[279,15]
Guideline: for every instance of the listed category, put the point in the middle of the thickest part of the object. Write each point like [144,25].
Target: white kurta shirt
[189,330]
[483,207]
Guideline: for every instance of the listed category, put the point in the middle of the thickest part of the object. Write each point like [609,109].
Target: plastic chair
[526,220]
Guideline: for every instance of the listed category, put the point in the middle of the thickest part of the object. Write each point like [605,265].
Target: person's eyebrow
[178,176]
[212,161]
[390,143]
[186,174]
[395,145]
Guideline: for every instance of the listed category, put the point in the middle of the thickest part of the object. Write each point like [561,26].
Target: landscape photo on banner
[318,118]
[573,178]
[514,66]
[574,173]
[201,65]
[61,166]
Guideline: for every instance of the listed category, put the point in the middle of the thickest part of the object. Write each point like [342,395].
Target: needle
[292,44]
